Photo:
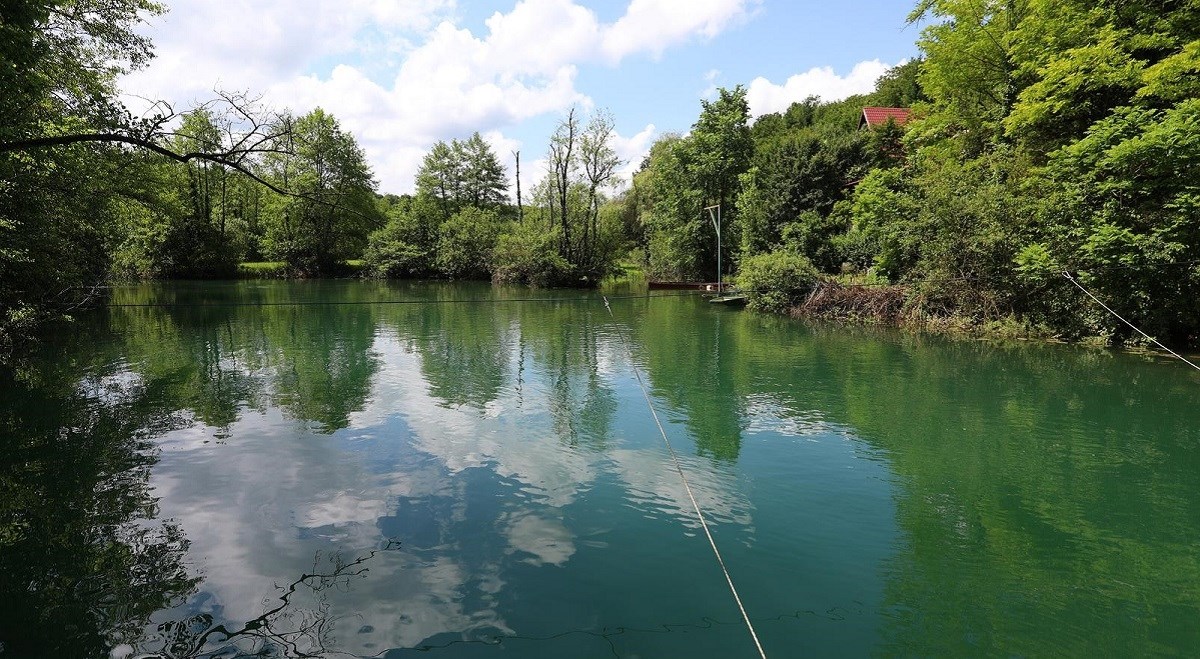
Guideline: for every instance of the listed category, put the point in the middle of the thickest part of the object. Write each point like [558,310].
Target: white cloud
[632,150]
[765,96]
[403,74]
[655,25]
[251,45]
[538,37]
[710,80]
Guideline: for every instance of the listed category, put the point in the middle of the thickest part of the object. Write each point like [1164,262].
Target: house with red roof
[872,117]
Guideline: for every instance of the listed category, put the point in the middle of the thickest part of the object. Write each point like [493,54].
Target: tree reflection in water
[84,561]
[285,629]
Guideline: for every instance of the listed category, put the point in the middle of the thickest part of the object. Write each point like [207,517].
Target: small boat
[682,286]
[730,299]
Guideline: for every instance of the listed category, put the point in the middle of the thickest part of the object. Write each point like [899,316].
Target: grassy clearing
[278,270]
[261,269]
[626,273]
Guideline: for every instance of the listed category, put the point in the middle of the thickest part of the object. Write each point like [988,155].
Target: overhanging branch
[232,159]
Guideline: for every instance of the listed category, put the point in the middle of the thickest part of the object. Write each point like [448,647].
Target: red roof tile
[879,116]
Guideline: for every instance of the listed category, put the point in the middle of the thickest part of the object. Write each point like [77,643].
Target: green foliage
[465,244]
[528,255]
[1175,78]
[406,246]
[969,73]
[60,209]
[900,87]
[1057,136]
[451,227]
[459,174]
[1124,215]
[678,241]
[721,145]
[389,255]
[777,281]
[814,235]
[1075,89]
[182,224]
[333,210]
[684,175]
[796,180]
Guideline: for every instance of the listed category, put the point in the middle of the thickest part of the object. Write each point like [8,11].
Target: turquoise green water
[484,479]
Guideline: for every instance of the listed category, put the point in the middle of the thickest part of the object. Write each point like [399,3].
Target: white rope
[679,467]
[1139,331]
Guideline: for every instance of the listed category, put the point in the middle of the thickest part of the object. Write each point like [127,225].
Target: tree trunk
[520,207]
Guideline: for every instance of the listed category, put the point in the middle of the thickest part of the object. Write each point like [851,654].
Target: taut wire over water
[683,477]
[337,303]
[1122,319]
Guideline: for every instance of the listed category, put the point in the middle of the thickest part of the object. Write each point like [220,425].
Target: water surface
[394,470]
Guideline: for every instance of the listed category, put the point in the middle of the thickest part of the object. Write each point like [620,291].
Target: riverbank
[896,305]
[900,306]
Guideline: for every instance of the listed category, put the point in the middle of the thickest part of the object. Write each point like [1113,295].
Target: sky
[402,74]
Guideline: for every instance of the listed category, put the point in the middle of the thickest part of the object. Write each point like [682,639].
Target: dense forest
[1049,141]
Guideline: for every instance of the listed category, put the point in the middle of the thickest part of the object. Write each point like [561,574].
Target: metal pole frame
[716,222]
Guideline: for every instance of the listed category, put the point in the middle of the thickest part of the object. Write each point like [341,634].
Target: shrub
[528,256]
[466,242]
[777,281]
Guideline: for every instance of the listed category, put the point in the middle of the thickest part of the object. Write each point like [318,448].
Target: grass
[627,273]
[278,269]
[261,266]
[261,269]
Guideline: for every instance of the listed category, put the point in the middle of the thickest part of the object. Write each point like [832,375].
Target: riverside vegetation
[1049,137]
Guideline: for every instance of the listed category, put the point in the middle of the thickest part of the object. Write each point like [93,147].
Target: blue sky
[402,74]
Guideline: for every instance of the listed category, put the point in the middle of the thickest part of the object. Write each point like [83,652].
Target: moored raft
[683,285]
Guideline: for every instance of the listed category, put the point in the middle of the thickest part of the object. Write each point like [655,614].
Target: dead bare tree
[520,206]
[562,164]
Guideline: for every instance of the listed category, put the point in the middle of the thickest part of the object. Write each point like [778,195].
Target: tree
[900,87]
[440,176]
[671,211]
[181,227]
[465,244]
[970,72]
[330,220]
[453,222]
[407,245]
[581,167]
[484,178]
[562,163]
[58,209]
[462,174]
[599,161]
[687,174]
[798,178]
[721,145]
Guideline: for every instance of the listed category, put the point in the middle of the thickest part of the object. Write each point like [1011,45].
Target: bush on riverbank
[777,281]
[528,256]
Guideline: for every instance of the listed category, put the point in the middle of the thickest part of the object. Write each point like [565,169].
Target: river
[457,470]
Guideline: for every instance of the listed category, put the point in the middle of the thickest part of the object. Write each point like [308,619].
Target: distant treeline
[1047,138]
